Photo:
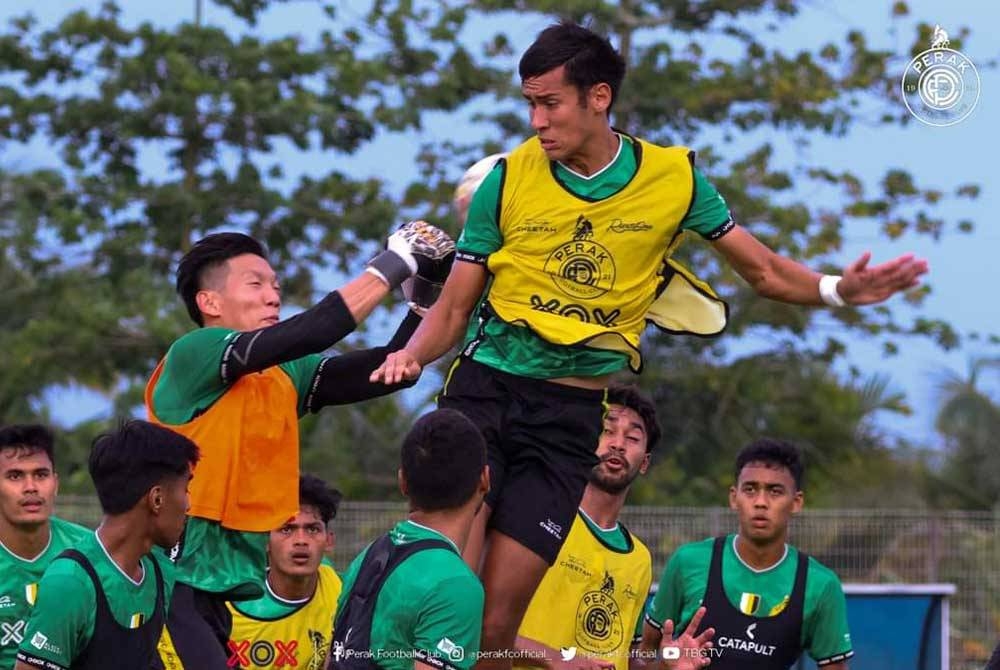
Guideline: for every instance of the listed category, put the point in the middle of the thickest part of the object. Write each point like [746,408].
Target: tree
[969,421]
[710,411]
[162,134]
[90,246]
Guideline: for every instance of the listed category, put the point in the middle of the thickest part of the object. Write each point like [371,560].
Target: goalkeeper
[237,386]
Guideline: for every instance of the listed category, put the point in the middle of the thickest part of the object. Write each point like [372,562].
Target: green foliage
[153,136]
[710,411]
[969,421]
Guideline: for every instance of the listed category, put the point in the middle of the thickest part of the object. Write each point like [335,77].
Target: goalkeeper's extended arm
[321,326]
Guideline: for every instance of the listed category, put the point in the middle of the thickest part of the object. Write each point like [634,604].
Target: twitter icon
[568,653]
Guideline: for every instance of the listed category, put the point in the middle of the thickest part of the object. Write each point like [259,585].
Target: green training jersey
[214,558]
[518,350]
[430,606]
[759,593]
[19,579]
[62,621]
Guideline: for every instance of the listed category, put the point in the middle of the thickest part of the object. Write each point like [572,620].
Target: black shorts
[541,440]
[198,629]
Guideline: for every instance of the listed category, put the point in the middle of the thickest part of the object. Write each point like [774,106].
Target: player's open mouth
[615,463]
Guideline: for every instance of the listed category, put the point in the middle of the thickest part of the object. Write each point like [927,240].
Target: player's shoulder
[691,557]
[66,535]
[67,532]
[200,339]
[647,147]
[439,566]
[65,568]
[328,575]
[695,551]
[461,586]
[820,575]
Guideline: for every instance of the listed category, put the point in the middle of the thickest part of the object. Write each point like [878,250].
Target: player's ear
[401,480]
[798,502]
[331,539]
[600,97]
[484,480]
[154,498]
[209,302]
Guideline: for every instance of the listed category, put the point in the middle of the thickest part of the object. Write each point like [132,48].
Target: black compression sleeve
[341,380]
[314,330]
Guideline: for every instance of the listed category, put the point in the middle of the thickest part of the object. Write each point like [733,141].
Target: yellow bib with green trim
[591,598]
[301,639]
[583,272]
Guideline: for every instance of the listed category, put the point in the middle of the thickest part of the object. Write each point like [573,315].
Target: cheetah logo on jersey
[599,627]
[582,268]
[318,641]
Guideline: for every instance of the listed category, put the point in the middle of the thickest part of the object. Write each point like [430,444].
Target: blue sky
[963,268]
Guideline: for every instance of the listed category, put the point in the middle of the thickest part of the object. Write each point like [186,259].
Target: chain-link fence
[861,546]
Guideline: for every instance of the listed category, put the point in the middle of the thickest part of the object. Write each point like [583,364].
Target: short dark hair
[29,438]
[589,58]
[442,458]
[207,255]
[773,453]
[314,492]
[134,458]
[629,396]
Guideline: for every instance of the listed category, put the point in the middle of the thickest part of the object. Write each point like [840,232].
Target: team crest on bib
[582,268]
[31,593]
[749,603]
[318,656]
[599,620]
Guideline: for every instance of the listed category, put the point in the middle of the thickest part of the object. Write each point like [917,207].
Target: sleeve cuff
[721,230]
[648,619]
[36,662]
[471,257]
[434,660]
[839,658]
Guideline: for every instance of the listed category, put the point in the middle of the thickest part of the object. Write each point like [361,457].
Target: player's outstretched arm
[415,248]
[345,379]
[779,278]
[441,329]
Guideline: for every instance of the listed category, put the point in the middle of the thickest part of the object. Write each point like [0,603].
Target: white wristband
[828,291]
